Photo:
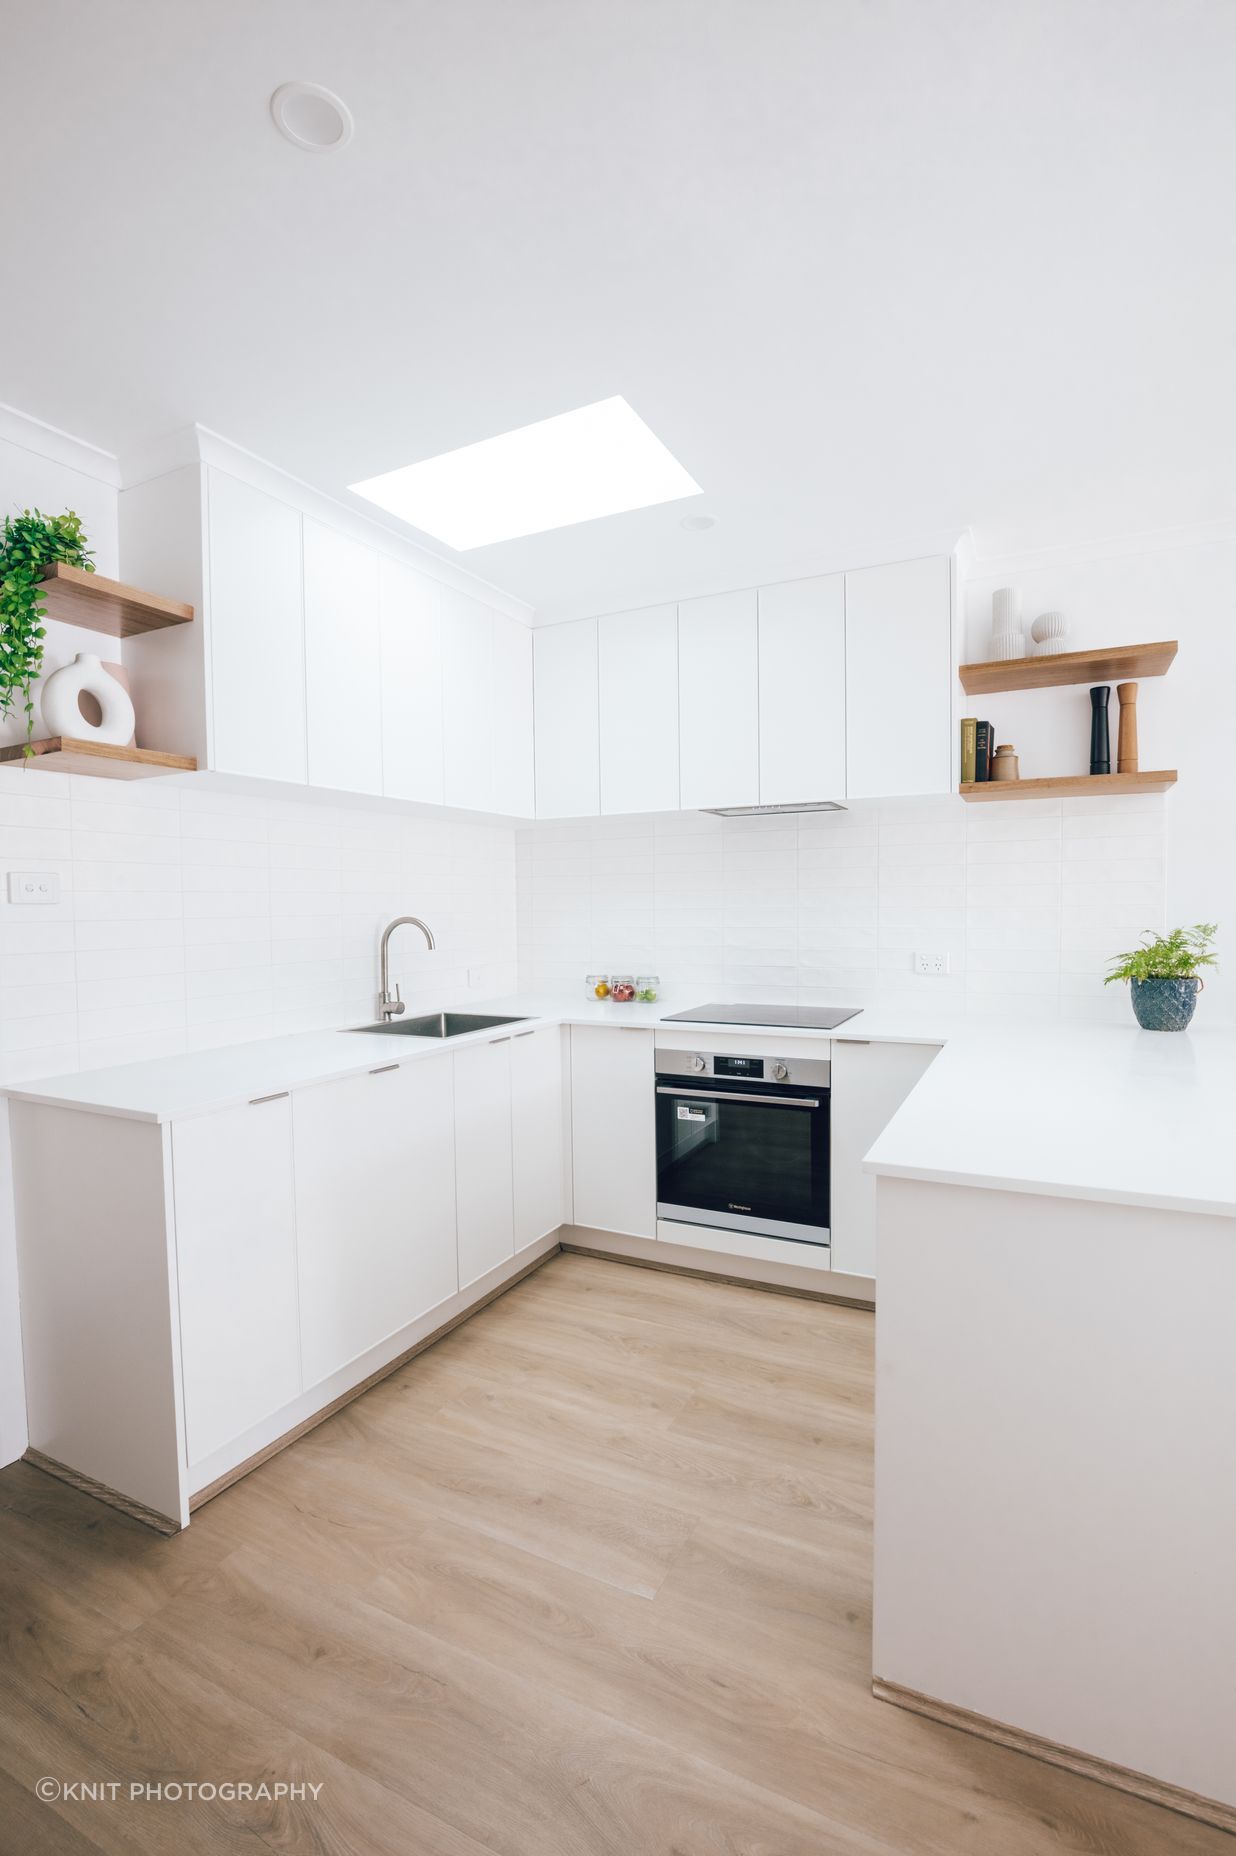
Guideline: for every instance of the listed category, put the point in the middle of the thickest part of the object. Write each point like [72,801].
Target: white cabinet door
[870,1082]
[637,660]
[375,1207]
[411,636]
[236,1263]
[343,678]
[257,635]
[718,701]
[537,1126]
[899,732]
[468,692]
[802,691]
[568,767]
[613,1129]
[483,1157]
[512,717]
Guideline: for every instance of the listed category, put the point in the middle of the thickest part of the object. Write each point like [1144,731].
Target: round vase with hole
[1164,1005]
[60,699]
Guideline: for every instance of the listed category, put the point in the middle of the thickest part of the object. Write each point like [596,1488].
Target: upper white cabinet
[375,1159]
[568,762]
[802,690]
[538,1131]
[718,700]
[411,643]
[512,718]
[899,733]
[236,1264]
[343,697]
[637,661]
[483,1178]
[613,1129]
[469,689]
[257,643]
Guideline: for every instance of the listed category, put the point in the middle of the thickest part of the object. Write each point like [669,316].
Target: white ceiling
[874,270]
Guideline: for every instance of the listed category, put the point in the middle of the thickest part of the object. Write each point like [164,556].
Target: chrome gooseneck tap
[390,1005]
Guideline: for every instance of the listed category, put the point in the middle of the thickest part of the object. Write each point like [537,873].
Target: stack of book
[977,748]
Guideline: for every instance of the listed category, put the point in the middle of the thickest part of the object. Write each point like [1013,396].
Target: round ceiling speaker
[695,525]
[311,117]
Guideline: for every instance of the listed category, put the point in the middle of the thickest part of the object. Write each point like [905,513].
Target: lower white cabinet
[537,1133]
[486,1221]
[236,1262]
[375,1207]
[870,1083]
[613,1129]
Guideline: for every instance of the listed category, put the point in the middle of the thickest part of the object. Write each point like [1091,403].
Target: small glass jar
[597,985]
[622,988]
[647,987]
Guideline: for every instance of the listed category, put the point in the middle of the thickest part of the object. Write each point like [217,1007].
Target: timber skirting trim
[1086,1765]
[354,1392]
[707,1275]
[136,1511]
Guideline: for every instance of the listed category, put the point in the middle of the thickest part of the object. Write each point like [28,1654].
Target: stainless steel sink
[439,1024]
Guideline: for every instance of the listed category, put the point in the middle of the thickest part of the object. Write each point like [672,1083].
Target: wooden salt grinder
[1126,744]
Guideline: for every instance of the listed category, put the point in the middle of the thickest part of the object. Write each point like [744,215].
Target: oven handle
[731,1095]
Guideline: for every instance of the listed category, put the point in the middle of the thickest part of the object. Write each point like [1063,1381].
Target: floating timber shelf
[75,597]
[1070,786]
[1115,663]
[63,754]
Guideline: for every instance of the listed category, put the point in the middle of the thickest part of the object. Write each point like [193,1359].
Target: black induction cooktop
[789,1017]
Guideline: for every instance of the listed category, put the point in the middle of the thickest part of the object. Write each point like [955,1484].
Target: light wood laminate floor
[590,1575]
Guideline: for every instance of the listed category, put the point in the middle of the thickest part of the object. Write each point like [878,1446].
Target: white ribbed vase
[1048,632]
[62,713]
[1006,637]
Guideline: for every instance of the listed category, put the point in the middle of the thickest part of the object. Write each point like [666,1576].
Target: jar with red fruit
[622,988]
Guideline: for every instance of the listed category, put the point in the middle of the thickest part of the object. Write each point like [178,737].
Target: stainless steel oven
[742,1143]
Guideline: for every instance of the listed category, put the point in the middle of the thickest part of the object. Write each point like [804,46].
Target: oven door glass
[754,1160]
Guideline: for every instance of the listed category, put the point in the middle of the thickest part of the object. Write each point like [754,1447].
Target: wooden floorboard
[591,1577]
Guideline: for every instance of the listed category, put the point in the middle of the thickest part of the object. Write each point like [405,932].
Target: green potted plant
[29,544]
[1163,975]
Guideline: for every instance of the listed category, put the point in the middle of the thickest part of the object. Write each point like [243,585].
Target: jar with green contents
[647,988]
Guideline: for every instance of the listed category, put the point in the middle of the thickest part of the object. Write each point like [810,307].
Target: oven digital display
[738,1066]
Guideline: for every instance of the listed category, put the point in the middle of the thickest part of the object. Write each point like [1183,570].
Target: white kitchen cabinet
[718,701]
[483,1186]
[343,675]
[468,695]
[898,633]
[637,662]
[613,1129]
[410,625]
[375,1207]
[511,718]
[568,763]
[537,1133]
[802,690]
[257,640]
[869,1084]
[236,1262]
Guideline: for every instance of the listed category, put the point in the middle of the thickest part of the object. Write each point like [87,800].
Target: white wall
[1027,898]
[1163,587]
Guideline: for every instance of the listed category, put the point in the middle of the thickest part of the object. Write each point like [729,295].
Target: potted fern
[1163,975]
[29,544]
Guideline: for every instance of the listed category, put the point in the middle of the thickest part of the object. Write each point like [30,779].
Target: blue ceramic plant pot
[1164,1005]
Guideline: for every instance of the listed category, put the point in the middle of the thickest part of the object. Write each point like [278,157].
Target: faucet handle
[392,1003]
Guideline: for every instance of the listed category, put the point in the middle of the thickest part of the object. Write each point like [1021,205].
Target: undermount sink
[440,1024]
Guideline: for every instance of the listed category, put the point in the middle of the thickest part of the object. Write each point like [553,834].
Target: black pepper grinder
[1100,739]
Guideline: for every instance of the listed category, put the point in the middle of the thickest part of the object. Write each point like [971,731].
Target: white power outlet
[34,886]
[934,965]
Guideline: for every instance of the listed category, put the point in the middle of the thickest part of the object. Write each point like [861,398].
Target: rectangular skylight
[599,460]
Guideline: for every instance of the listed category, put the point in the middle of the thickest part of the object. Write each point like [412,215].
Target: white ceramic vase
[1048,632]
[62,714]
[1006,638]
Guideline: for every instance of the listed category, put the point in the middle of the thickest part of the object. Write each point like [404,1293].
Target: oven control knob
[698,1065]
[780,1072]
